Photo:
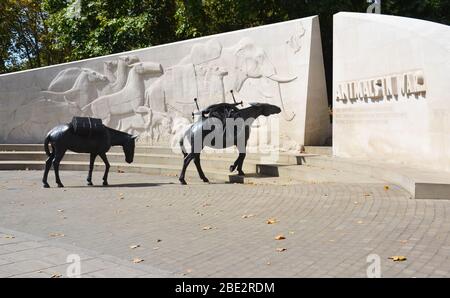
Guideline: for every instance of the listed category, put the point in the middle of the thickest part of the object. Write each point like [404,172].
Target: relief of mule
[63,137]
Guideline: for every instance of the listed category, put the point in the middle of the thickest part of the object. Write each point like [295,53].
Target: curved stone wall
[391,89]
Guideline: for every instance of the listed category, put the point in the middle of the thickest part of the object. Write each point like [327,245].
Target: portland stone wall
[150,91]
[391,90]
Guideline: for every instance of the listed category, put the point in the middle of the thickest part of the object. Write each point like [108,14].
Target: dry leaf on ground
[280,237]
[57,235]
[281,249]
[247,215]
[386,187]
[135,246]
[9,237]
[137,260]
[56,275]
[207,228]
[397,258]
[271,221]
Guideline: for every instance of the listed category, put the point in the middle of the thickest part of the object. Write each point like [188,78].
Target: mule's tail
[183,149]
[46,147]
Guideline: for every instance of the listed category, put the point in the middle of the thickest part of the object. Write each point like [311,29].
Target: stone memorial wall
[150,91]
[391,90]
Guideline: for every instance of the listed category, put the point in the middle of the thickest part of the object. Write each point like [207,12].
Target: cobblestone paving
[217,230]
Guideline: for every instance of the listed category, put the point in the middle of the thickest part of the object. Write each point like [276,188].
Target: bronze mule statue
[237,135]
[96,141]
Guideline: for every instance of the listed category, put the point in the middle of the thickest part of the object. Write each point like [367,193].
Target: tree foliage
[35,33]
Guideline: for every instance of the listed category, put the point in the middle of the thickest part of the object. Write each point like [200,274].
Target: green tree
[23,43]
[109,26]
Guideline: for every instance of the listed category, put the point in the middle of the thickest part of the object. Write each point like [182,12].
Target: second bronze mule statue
[64,137]
[232,136]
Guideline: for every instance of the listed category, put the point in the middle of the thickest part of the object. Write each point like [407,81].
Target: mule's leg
[56,161]
[235,164]
[107,166]
[240,163]
[91,168]
[199,167]
[186,162]
[48,166]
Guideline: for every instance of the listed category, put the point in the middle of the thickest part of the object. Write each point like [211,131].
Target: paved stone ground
[199,230]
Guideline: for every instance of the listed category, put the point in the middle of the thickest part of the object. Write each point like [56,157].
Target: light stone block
[150,91]
[391,90]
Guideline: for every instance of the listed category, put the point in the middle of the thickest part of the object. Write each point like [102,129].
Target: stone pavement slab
[217,230]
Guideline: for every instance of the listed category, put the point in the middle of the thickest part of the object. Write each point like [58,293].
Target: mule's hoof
[90,183]
[182,181]
[206,180]
[232,168]
[60,185]
[105,183]
[46,185]
[240,173]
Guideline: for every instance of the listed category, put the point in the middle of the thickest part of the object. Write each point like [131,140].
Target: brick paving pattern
[216,230]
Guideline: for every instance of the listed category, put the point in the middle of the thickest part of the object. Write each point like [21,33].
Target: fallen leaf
[120,171]
[268,263]
[281,249]
[159,240]
[156,248]
[356,203]
[121,196]
[137,260]
[367,194]
[207,228]
[271,221]
[280,237]
[56,235]
[60,210]
[135,246]
[386,187]
[9,237]
[56,275]
[397,258]
[247,215]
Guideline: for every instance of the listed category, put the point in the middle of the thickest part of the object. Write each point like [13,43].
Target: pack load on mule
[198,133]
[221,111]
[87,126]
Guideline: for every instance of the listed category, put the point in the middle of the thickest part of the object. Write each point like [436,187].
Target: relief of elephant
[185,81]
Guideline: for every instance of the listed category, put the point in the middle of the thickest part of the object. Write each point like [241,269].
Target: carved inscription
[405,84]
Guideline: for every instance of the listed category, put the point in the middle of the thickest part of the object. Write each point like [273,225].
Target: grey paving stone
[326,235]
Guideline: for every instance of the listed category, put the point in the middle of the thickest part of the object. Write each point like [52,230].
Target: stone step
[207,161]
[314,174]
[319,150]
[191,173]
[285,158]
[422,184]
